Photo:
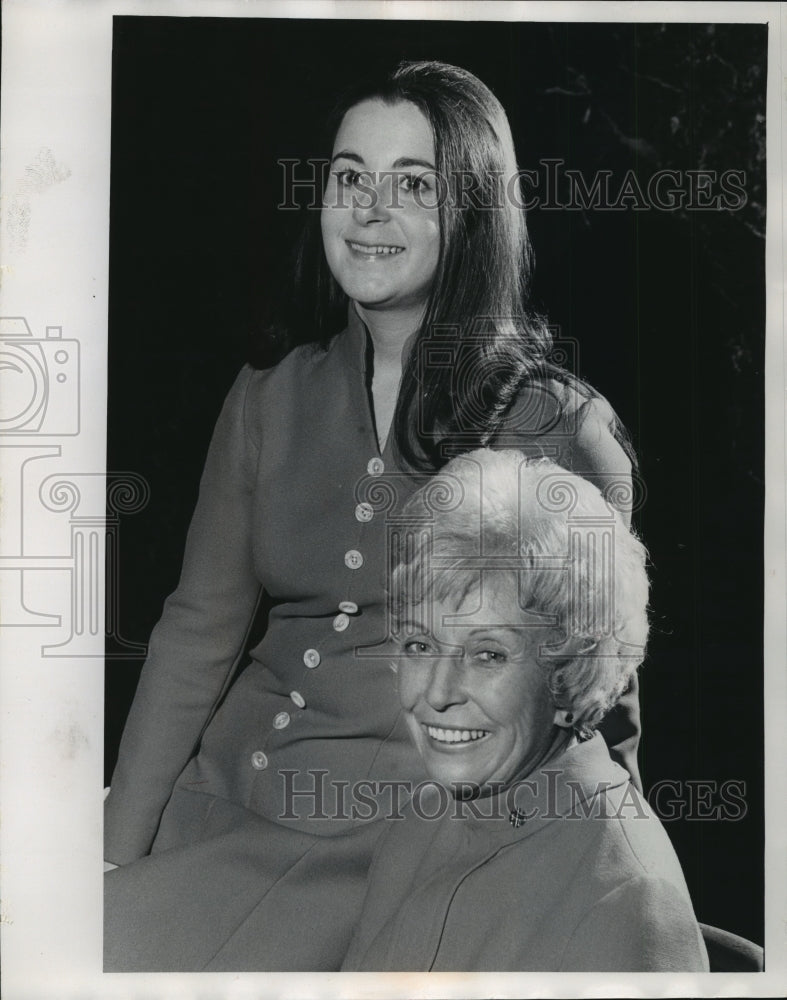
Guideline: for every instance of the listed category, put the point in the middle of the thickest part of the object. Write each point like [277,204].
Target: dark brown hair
[478,302]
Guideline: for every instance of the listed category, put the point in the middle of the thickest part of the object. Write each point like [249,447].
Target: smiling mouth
[454,736]
[380,249]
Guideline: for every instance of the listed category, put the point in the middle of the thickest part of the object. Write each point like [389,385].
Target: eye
[491,656]
[413,182]
[417,647]
[347,178]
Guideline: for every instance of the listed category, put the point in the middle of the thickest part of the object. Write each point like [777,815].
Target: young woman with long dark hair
[248,798]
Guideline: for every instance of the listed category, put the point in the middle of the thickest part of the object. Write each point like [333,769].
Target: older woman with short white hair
[519,606]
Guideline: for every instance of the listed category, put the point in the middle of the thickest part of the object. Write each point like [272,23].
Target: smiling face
[474,696]
[380,220]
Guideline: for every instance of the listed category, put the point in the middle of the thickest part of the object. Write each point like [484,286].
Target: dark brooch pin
[516,818]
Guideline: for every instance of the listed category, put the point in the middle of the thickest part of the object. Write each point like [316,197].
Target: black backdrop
[667,307]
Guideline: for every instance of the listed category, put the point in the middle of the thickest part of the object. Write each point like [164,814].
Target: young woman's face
[473,693]
[380,222]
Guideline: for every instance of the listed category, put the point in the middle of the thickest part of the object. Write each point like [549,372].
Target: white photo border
[54,235]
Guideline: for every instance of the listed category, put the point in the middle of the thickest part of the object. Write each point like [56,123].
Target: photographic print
[424,569]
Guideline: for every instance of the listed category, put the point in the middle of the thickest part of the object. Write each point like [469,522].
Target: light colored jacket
[585,880]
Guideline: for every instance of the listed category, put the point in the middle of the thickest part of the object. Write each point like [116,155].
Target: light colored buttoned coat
[584,879]
[297,498]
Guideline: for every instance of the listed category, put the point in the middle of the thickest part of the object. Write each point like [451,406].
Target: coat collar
[572,785]
[351,345]
[353,351]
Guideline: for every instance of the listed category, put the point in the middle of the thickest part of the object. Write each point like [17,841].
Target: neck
[391,334]
[562,740]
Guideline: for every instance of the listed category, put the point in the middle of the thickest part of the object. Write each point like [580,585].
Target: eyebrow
[414,627]
[403,161]
[420,628]
[496,628]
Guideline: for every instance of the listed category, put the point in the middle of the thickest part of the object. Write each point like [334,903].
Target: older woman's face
[474,696]
[380,222]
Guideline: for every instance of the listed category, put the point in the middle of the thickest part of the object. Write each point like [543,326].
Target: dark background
[667,307]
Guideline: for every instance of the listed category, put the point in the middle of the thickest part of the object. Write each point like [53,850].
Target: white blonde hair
[555,537]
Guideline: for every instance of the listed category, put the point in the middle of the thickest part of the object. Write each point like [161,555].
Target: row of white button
[363,512]
[311,658]
[281,720]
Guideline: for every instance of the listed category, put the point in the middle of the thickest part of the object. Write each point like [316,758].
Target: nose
[370,203]
[445,687]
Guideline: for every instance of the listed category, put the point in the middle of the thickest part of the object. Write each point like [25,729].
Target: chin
[474,782]
[447,774]
[363,292]
[372,298]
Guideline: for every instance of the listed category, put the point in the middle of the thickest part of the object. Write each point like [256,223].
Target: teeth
[372,251]
[456,735]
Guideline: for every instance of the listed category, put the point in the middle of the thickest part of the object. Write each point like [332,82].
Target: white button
[353,559]
[341,622]
[348,607]
[259,760]
[298,699]
[281,720]
[364,512]
[311,658]
[375,467]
